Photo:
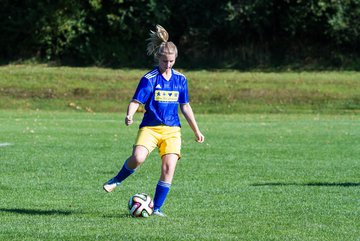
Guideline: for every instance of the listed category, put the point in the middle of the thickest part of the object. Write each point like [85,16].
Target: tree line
[209,33]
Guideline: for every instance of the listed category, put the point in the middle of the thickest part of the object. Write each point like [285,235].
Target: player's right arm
[131,110]
[141,95]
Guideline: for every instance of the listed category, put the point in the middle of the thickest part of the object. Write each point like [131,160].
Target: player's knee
[136,160]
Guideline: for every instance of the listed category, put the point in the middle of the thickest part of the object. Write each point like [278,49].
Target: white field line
[5,144]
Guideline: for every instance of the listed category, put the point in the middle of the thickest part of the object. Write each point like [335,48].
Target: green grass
[39,87]
[293,175]
[257,177]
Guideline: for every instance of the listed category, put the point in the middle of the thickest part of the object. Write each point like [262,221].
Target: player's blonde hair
[159,45]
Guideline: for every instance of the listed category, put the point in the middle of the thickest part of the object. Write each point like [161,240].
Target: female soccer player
[161,91]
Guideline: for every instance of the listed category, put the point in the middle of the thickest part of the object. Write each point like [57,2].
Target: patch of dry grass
[108,90]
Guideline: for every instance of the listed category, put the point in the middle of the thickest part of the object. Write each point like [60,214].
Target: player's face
[166,62]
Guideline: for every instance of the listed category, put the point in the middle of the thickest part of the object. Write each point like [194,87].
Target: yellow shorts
[166,138]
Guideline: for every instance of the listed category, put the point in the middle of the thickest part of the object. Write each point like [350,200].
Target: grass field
[257,177]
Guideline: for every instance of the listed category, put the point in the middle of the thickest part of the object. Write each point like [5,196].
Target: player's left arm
[190,117]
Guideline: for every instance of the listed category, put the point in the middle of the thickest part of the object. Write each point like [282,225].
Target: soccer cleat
[158,213]
[110,185]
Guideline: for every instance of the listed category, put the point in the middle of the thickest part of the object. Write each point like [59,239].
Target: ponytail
[158,44]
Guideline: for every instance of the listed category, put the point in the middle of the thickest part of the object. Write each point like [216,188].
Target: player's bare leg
[136,159]
[168,167]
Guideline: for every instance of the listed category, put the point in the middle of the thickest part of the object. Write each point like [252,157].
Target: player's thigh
[147,138]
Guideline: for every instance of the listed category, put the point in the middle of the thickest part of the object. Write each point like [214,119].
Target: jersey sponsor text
[166,96]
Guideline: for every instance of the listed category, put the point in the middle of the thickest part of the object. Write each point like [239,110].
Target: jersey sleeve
[143,91]
[184,94]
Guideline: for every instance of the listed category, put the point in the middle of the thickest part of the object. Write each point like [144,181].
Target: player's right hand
[128,120]
[199,137]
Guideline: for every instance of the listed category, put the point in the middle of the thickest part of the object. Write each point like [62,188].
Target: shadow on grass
[120,215]
[35,212]
[319,184]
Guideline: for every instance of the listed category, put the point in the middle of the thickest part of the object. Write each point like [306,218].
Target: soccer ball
[141,205]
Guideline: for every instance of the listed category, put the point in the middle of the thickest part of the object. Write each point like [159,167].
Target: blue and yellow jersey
[161,97]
